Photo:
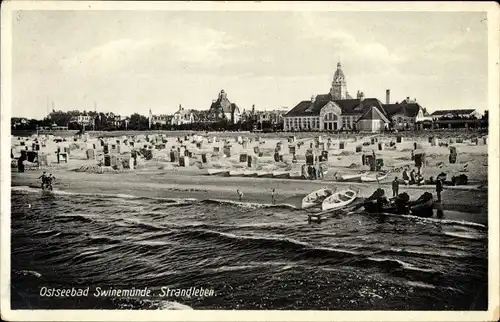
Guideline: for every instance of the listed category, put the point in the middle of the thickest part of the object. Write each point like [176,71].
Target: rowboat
[339,199]
[264,174]
[295,174]
[249,173]
[351,177]
[281,174]
[315,198]
[217,172]
[374,177]
[236,173]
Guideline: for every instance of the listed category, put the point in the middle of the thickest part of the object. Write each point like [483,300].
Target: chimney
[387,96]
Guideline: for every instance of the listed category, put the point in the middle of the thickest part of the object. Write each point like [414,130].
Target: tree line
[136,122]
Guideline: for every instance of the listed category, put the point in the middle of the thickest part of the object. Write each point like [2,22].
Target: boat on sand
[315,198]
[218,172]
[351,177]
[281,174]
[340,199]
[374,177]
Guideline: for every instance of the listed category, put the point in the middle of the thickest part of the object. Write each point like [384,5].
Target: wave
[420,285]
[27,273]
[253,205]
[302,250]
[392,263]
[295,247]
[440,221]
[48,233]
[174,201]
[464,235]
[153,305]
[401,251]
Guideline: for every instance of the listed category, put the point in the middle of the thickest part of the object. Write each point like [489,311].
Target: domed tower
[339,86]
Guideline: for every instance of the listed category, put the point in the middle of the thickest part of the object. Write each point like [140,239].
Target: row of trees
[109,122]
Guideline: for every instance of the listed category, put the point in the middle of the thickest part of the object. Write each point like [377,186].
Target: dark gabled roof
[407,109]
[454,112]
[356,106]
[373,113]
[221,104]
[234,108]
[348,106]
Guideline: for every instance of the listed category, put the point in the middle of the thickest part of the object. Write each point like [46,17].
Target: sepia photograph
[295,158]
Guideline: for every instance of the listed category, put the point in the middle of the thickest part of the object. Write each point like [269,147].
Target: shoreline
[457,204]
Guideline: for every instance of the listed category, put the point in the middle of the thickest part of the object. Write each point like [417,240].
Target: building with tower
[182,116]
[337,110]
[223,109]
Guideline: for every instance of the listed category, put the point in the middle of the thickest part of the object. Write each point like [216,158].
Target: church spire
[339,87]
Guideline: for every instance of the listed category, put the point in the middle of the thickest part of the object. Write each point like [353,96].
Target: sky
[133,61]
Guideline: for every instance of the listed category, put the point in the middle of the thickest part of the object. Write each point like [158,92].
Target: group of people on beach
[46,180]
[416,177]
[312,172]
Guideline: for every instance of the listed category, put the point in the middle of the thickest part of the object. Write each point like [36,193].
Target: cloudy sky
[133,61]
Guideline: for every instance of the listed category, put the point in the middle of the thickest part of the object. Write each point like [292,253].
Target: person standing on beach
[395,187]
[240,194]
[44,179]
[50,178]
[320,172]
[406,178]
[439,188]
[412,177]
[273,196]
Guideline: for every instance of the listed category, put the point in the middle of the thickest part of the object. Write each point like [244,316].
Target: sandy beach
[159,177]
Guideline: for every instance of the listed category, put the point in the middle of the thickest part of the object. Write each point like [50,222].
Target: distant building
[248,116]
[453,114]
[460,118]
[182,116]
[337,110]
[330,112]
[115,119]
[405,115]
[159,119]
[84,120]
[18,121]
[223,109]
[273,117]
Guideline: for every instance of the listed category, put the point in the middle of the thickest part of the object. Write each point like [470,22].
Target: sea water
[251,256]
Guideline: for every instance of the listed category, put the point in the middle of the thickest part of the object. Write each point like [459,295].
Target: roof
[234,108]
[457,112]
[221,104]
[407,109]
[373,113]
[347,106]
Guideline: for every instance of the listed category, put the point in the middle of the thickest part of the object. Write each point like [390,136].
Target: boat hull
[348,178]
[217,172]
[315,198]
[373,178]
[331,204]
[281,175]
